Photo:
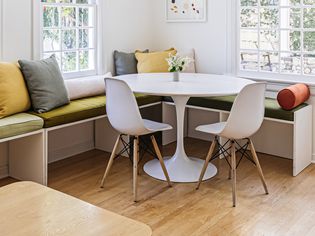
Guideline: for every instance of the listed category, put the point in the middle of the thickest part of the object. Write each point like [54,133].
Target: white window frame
[262,75]
[38,37]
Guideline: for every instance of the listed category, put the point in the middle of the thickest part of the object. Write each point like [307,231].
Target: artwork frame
[195,11]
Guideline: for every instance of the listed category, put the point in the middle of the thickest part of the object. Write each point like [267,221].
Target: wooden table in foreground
[28,208]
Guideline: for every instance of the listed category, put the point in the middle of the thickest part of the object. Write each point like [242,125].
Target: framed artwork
[186,10]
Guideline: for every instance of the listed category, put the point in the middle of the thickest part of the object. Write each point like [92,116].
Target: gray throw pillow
[45,84]
[125,63]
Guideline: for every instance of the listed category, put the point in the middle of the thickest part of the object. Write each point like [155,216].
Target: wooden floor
[289,209]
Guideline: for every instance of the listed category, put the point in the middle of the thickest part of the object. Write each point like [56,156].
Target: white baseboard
[65,152]
[4,171]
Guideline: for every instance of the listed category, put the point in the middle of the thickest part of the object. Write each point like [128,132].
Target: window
[277,36]
[68,30]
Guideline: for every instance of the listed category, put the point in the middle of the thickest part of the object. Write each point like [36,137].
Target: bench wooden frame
[34,145]
[302,132]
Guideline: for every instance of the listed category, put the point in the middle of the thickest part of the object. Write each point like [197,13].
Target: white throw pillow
[86,86]
[191,54]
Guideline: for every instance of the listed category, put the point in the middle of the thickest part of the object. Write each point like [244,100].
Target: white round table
[180,167]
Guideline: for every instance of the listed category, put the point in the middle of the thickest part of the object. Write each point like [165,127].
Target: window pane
[249,2]
[68,39]
[86,38]
[59,1]
[50,16]
[57,55]
[51,40]
[269,18]
[51,1]
[68,17]
[309,41]
[87,60]
[269,2]
[309,18]
[66,1]
[290,40]
[249,18]
[69,61]
[86,1]
[269,61]
[249,39]
[291,63]
[290,2]
[86,16]
[309,2]
[290,18]
[309,64]
[249,61]
[269,40]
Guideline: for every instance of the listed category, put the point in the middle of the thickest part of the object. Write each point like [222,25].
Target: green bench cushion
[18,124]
[84,109]
[272,108]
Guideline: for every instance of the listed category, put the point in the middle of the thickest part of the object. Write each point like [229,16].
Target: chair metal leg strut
[229,154]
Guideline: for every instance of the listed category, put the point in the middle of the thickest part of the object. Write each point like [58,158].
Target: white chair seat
[156,126]
[244,120]
[215,128]
[124,116]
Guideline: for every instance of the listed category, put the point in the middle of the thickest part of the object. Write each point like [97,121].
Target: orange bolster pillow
[293,96]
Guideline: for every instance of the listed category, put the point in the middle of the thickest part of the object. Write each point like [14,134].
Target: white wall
[16,29]
[208,38]
[126,26]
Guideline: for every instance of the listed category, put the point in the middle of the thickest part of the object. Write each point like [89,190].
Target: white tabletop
[196,85]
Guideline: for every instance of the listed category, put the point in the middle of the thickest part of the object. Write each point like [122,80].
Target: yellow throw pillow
[14,96]
[153,62]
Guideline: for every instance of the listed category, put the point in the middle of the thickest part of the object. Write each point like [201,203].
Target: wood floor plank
[289,209]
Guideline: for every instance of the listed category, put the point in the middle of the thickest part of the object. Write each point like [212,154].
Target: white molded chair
[245,119]
[124,115]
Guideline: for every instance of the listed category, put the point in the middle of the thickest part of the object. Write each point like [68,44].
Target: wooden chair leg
[110,162]
[230,160]
[256,160]
[159,155]
[204,168]
[135,168]
[233,165]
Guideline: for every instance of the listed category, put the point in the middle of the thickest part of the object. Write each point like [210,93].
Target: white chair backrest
[122,108]
[247,112]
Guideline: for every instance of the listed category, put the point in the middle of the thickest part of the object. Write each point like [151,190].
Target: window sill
[75,75]
[88,77]
[278,78]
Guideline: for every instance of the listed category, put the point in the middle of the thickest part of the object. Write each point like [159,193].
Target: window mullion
[302,37]
[77,39]
[258,27]
[279,38]
[60,36]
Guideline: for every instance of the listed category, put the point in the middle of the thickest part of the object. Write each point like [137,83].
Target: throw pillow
[293,96]
[14,96]
[86,87]
[45,84]
[191,54]
[125,63]
[153,62]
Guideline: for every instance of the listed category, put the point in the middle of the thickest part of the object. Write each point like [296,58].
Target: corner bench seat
[85,108]
[19,124]
[272,108]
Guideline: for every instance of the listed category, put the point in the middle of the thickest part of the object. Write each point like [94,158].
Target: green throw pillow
[125,63]
[45,84]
